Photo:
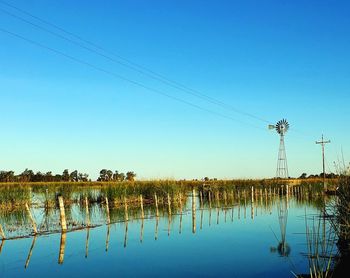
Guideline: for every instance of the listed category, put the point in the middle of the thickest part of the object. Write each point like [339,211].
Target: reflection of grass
[320,249]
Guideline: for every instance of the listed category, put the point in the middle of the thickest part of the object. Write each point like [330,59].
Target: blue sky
[272,59]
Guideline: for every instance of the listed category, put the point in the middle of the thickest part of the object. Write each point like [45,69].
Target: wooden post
[87,212]
[225,199]
[245,204]
[252,204]
[169,205]
[156,201]
[209,197]
[62,214]
[193,211]
[141,203]
[201,198]
[126,210]
[107,211]
[62,247]
[180,200]
[31,219]
[2,234]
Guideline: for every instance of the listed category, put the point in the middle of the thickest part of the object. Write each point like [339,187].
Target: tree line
[66,176]
[327,176]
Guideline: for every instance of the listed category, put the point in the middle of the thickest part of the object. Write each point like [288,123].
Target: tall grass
[341,220]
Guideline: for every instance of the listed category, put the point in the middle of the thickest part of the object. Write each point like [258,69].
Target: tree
[73,176]
[48,176]
[65,175]
[303,176]
[83,177]
[109,175]
[26,175]
[102,175]
[121,177]
[130,176]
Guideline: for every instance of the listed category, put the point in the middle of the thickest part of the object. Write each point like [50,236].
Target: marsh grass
[321,253]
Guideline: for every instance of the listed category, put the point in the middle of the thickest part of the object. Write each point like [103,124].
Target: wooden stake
[142,212]
[225,199]
[193,211]
[126,209]
[180,200]
[2,234]
[169,205]
[156,201]
[209,197]
[87,212]
[31,219]
[62,214]
[107,211]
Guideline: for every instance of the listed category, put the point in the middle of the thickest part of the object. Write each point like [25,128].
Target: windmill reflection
[283,247]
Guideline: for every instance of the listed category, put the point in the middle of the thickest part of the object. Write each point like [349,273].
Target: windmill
[281,127]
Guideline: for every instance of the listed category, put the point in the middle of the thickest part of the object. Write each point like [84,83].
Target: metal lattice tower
[281,127]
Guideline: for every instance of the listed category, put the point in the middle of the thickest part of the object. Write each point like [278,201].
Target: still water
[264,237]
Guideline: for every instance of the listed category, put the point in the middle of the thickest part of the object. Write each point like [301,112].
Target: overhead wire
[118,76]
[135,67]
[127,63]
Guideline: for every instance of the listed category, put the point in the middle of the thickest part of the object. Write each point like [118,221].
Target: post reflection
[62,247]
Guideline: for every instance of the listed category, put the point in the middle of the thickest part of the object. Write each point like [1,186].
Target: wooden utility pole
[322,142]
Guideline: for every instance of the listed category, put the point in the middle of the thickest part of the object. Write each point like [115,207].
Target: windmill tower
[281,127]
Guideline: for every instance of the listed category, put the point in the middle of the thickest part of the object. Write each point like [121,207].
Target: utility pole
[322,142]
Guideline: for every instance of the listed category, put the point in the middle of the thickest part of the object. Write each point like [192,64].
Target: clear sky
[271,59]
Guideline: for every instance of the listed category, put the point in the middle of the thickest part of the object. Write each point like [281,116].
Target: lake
[259,235]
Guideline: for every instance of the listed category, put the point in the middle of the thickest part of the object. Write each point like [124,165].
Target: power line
[129,64]
[115,75]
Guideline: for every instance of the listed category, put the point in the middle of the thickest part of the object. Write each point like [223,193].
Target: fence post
[62,214]
[87,212]
[107,211]
[142,212]
[2,234]
[126,210]
[31,219]
[156,200]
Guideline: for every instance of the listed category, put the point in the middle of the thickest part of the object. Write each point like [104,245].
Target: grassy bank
[17,194]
